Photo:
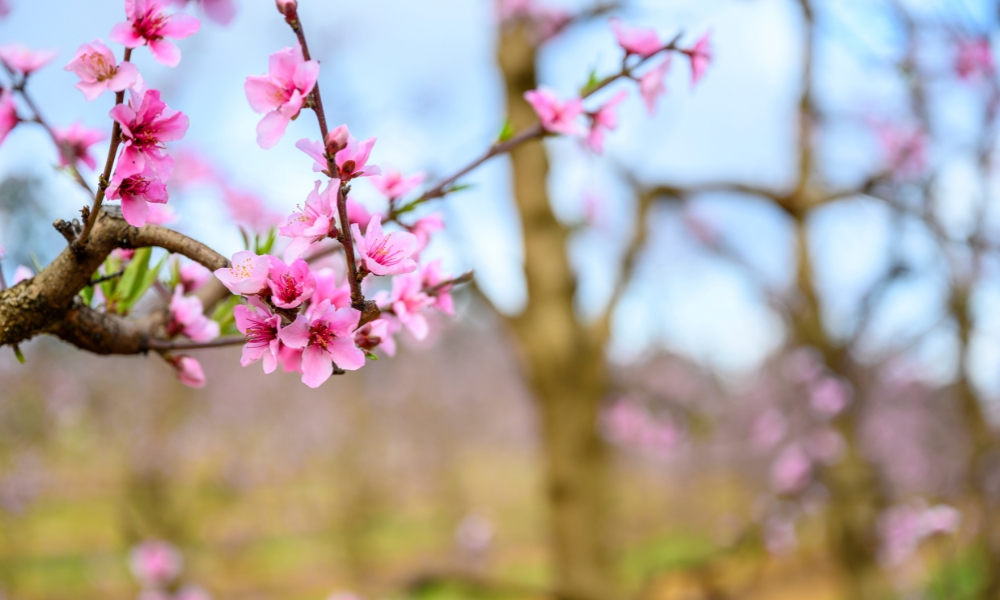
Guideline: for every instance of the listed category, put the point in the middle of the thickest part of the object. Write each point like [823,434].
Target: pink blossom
[768,429]
[149,24]
[377,334]
[358,214]
[393,185]
[23,60]
[192,592]
[156,562]
[974,57]
[4,8]
[651,85]
[281,93]
[74,144]
[187,316]
[220,11]
[387,254]
[193,275]
[432,279]
[903,527]
[636,40]
[189,371]
[791,470]
[160,214]
[247,276]
[95,65]
[352,161]
[8,113]
[826,446]
[261,329]
[604,119]
[408,300]
[146,123]
[191,168]
[326,336]
[904,148]
[313,223]
[291,285]
[247,209]
[290,359]
[316,151]
[135,190]
[555,115]
[327,288]
[22,273]
[424,228]
[829,396]
[701,57]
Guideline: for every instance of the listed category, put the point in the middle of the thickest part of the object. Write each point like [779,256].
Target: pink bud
[337,139]
[287,7]
[189,371]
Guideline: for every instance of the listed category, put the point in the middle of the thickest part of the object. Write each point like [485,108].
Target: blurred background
[749,352]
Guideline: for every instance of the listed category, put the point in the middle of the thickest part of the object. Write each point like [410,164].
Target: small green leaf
[223,315]
[370,356]
[143,283]
[34,261]
[268,244]
[175,273]
[506,133]
[592,83]
[18,354]
[459,187]
[87,294]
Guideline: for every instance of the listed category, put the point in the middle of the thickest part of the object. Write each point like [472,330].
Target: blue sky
[425,83]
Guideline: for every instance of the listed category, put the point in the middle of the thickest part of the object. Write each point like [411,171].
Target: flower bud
[336,140]
[287,7]
[189,371]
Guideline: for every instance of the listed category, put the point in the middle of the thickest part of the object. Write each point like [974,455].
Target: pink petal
[262,94]
[271,128]
[295,335]
[91,90]
[316,366]
[180,26]
[135,210]
[165,52]
[125,34]
[252,354]
[306,75]
[346,354]
[124,78]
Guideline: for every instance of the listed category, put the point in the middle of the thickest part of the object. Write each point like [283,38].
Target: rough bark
[48,302]
[564,361]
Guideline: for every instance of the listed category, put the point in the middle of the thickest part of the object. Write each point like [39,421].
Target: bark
[563,358]
[856,496]
[48,302]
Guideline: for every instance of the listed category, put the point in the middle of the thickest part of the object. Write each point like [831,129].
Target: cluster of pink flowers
[559,116]
[974,58]
[157,565]
[903,527]
[631,425]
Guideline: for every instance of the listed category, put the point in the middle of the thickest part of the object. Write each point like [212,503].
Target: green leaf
[370,356]
[143,284]
[18,354]
[34,261]
[175,274]
[223,315]
[592,82]
[268,244]
[246,238]
[506,133]
[459,187]
[87,294]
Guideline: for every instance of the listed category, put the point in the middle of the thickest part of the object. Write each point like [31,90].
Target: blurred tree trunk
[564,360]
[856,497]
[981,478]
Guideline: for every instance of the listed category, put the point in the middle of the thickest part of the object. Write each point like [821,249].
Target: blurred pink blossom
[555,115]
[651,85]
[974,57]
[8,113]
[791,470]
[21,59]
[74,144]
[637,40]
[156,562]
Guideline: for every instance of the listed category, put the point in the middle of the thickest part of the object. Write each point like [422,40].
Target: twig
[165,345]
[102,186]
[104,278]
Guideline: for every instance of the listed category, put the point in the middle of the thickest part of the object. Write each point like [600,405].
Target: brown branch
[48,303]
